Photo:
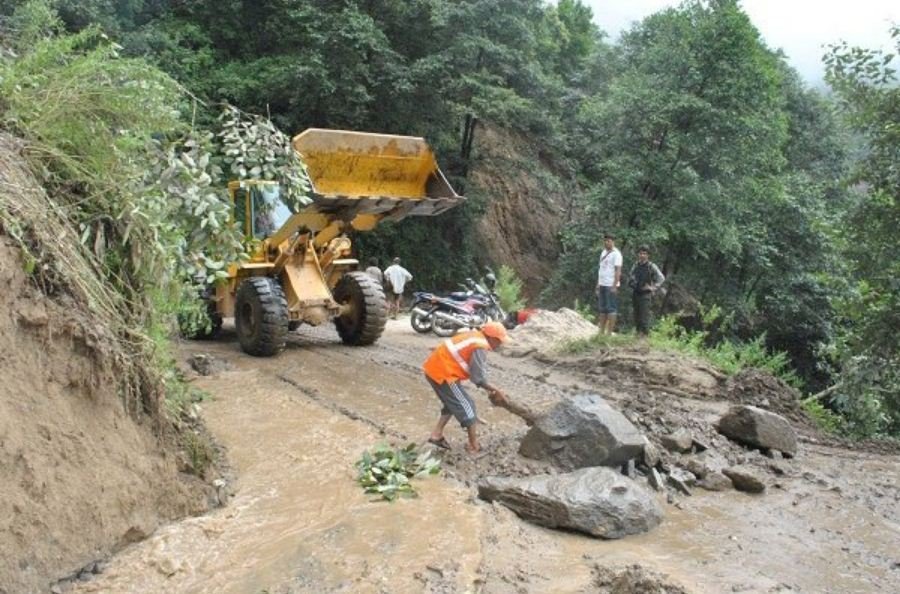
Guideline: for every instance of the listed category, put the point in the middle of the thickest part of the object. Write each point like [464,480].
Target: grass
[598,341]
[728,356]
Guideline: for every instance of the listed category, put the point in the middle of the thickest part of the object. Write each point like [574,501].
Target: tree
[866,352]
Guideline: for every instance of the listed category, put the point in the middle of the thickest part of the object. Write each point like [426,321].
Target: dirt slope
[295,424]
[527,202]
[80,476]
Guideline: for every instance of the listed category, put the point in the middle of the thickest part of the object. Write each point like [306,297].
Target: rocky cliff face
[527,203]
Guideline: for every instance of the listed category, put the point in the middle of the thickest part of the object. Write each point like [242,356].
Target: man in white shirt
[395,279]
[609,275]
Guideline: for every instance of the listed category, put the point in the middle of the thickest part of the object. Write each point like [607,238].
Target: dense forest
[773,204]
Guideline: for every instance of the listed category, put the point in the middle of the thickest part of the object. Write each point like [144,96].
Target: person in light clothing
[459,358]
[609,275]
[395,277]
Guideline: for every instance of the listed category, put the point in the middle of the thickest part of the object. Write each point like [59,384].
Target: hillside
[86,469]
[527,204]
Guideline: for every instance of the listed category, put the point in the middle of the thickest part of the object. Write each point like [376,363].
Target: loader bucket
[379,174]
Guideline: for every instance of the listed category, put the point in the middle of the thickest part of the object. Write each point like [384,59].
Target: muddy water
[293,426]
[297,521]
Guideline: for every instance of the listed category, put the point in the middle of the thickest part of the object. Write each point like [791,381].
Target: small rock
[168,566]
[680,441]
[715,481]
[700,446]
[207,364]
[628,469]
[651,455]
[704,463]
[677,481]
[654,480]
[777,469]
[744,479]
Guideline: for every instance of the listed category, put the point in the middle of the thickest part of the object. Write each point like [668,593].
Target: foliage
[509,289]
[254,148]
[30,23]
[386,471]
[865,353]
[132,209]
[824,418]
[728,355]
[585,310]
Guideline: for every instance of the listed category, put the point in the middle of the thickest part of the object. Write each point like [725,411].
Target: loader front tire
[364,320]
[261,316]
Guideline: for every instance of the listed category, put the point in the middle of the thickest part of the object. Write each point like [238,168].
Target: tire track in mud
[317,397]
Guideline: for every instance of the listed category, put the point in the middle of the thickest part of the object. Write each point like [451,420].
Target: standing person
[374,271]
[644,279]
[609,275]
[459,358]
[396,277]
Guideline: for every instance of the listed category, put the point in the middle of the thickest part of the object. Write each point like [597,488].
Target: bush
[728,355]
[509,289]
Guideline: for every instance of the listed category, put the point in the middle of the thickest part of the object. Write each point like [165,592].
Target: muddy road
[296,521]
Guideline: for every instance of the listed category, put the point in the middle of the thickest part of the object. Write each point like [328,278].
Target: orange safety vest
[449,362]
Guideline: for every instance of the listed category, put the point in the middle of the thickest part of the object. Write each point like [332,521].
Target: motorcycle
[468,309]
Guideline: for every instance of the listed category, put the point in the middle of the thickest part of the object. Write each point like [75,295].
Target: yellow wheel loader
[300,269]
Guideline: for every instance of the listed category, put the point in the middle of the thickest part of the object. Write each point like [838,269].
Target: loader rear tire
[365,321]
[261,316]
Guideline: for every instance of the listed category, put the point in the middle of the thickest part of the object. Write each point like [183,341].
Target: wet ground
[293,426]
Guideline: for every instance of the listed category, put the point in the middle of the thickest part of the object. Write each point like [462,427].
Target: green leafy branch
[386,471]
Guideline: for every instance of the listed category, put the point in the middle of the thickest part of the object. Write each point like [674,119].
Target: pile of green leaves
[386,471]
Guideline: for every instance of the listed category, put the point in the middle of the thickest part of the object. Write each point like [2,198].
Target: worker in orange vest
[456,359]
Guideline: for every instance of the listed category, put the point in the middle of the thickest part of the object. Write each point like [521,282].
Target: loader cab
[258,208]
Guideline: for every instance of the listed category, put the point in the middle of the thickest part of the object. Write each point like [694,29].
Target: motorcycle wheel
[443,329]
[421,323]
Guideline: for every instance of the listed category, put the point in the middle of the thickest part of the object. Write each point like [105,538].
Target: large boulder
[597,501]
[760,428]
[583,431]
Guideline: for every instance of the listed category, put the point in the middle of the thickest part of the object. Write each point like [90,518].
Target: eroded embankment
[81,477]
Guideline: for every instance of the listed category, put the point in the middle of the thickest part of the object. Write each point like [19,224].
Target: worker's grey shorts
[455,402]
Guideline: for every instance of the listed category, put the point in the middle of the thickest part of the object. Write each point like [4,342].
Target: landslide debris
[89,462]
[548,331]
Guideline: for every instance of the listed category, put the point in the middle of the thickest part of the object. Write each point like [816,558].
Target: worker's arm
[478,375]
[478,371]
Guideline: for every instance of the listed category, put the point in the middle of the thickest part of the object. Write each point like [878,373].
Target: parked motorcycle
[472,308]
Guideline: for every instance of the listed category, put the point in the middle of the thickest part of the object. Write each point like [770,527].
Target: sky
[801,28]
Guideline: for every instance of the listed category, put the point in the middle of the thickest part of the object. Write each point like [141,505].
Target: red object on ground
[524,314]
